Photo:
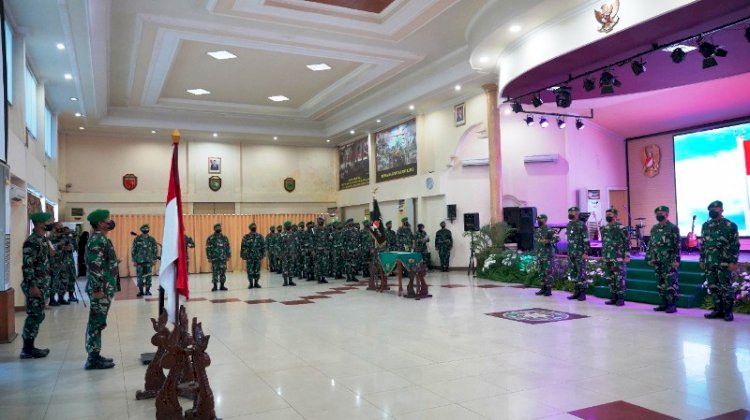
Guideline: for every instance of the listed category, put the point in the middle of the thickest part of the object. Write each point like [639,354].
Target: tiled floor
[368,355]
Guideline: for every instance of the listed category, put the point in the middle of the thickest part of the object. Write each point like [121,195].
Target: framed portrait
[214,165]
[459,114]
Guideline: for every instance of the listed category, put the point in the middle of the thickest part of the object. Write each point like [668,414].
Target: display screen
[713,165]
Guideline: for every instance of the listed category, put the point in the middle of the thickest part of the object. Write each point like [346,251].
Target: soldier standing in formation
[719,254]
[578,249]
[56,262]
[614,257]
[391,238]
[68,278]
[421,238]
[289,252]
[365,247]
[143,254]
[277,248]
[252,250]
[102,268]
[303,242]
[36,282]
[218,252]
[444,244]
[404,236]
[545,253]
[271,249]
[664,255]
[320,257]
[351,239]
[337,255]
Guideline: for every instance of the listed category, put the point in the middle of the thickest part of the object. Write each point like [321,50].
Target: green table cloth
[409,259]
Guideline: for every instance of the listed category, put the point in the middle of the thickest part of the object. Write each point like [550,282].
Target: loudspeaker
[522,219]
[471,222]
[526,219]
[451,212]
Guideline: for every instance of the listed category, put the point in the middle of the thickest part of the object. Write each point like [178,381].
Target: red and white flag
[173,271]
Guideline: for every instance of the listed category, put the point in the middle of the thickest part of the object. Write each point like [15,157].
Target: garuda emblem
[651,159]
[129,181]
[214,183]
[607,16]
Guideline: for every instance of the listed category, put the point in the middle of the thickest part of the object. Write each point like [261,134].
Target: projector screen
[713,165]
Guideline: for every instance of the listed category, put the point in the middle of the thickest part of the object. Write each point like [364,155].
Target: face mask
[253,230]
[571,216]
[49,228]
[661,217]
[144,231]
[111,225]
[713,214]
[217,230]
[610,219]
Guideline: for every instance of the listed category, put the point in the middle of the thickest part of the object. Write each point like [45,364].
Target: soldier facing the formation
[218,252]
[252,250]
[614,257]
[404,236]
[545,254]
[390,237]
[421,238]
[143,255]
[578,249]
[444,244]
[36,282]
[664,255]
[720,251]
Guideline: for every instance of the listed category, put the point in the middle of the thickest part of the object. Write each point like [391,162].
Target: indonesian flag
[173,271]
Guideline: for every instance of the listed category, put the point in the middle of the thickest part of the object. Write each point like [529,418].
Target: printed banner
[354,164]
[396,152]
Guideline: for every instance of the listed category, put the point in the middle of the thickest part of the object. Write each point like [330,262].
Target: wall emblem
[607,16]
[214,183]
[129,181]
[290,184]
[651,159]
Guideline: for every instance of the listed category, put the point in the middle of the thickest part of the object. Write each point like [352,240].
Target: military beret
[321,218]
[287,224]
[349,220]
[97,216]
[40,217]
[218,225]
[420,225]
[365,221]
[542,216]
[574,208]
[389,223]
[272,227]
[404,219]
[278,227]
[252,225]
[302,223]
[716,203]
[613,211]
[308,224]
[661,208]
[145,226]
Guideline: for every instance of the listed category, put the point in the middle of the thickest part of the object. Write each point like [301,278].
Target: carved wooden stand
[184,355]
[417,290]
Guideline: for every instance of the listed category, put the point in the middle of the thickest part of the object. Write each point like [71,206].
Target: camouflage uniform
[319,245]
[289,250]
[392,240]
[614,251]
[101,266]
[68,272]
[55,266]
[365,250]
[271,248]
[404,239]
[143,254]
[278,248]
[218,252]
[444,244]
[578,248]
[304,267]
[251,251]
[544,243]
[351,244]
[663,250]
[329,250]
[421,238]
[720,247]
[36,273]
[337,254]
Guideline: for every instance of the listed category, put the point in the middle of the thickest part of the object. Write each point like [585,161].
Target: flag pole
[175,144]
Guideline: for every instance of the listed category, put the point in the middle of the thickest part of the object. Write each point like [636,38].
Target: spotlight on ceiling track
[747,33]
[563,97]
[579,124]
[561,123]
[607,82]
[709,52]
[516,107]
[638,67]
[543,122]
[537,101]
[678,55]
[589,85]
[529,120]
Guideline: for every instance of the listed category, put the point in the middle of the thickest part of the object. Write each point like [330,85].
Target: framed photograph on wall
[214,165]
[459,114]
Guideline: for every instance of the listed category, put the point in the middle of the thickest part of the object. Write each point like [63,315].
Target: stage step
[686,277]
[652,297]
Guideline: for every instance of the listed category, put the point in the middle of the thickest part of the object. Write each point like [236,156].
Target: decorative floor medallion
[536,315]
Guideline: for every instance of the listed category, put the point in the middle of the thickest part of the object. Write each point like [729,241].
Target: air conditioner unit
[475,162]
[541,158]
[17,193]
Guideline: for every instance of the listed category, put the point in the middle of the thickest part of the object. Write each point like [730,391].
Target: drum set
[635,236]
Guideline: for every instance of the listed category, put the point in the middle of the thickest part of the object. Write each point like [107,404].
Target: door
[619,200]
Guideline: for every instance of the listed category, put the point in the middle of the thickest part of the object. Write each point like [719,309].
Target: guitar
[692,241]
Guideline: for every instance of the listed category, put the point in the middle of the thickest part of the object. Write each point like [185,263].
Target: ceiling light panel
[221,55]
[278,98]
[319,67]
[198,92]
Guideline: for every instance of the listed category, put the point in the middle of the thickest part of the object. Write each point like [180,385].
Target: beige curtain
[199,227]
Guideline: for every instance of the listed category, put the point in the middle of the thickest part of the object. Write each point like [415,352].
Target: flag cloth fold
[173,271]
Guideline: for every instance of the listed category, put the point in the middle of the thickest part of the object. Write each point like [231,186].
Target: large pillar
[496,161]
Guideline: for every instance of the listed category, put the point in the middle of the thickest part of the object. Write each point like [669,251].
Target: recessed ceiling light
[73,98]
[319,67]
[352,131]
[411,107]
[153,131]
[515,28]
[78,114]
[278,98]
[377,121]
[328,140]
[457,87]
[683,47]
[81,128]
[507,111]
[215,135]
[68,76]
[60,46]
[221,55]
[275,138]
[198,92]
[484,59]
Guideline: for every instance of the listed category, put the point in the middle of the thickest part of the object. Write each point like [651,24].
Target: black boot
[250,284]
[257,285]
[31,352]
[611,301]
[322,280]
[286,283]
[140,291]
[728,311]
[717,312]
[72,297]
[213,289]
[291,282]
[61,299]
[548,291]
[222,288]
[664,305]
[620,302]
[541,291]
[148,291]
[52,301]
[575,295]
[582,296]
[95,361]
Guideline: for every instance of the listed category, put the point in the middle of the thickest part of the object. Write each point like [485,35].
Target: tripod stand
[472,271]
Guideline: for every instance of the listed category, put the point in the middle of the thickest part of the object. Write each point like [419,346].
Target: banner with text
[396,152]
[354,164]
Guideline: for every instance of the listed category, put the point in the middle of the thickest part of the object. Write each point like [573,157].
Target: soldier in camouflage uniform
[144,254]
[664,255]
[55,238]
[289,250]
[68,273]
[390,237]
[252,250]
[365,247]
[218,252]
[404,236]
[421,238]
[320,251]
[444,244]
[329,250]
[544,243]
[615,256]
[102,269]
[351,247]
[36,281]
[578,249]
[337,255]
[720,250]
[271,249]
[304,250]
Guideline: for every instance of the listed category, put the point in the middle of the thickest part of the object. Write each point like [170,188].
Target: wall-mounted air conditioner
[541,158]
[17,193]
[475,162]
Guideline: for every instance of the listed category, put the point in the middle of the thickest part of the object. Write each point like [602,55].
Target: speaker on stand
[471,224]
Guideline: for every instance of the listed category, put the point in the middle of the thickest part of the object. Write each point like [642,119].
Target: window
[9,60]
[30,95]
[50,133]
